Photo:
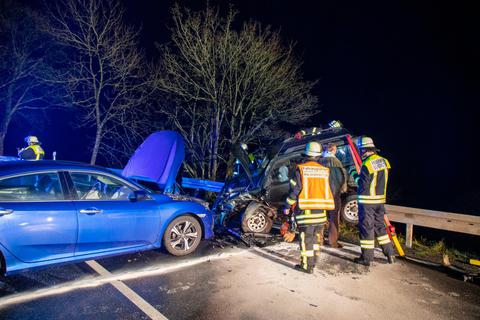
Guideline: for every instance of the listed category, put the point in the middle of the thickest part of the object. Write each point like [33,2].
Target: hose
[455,271]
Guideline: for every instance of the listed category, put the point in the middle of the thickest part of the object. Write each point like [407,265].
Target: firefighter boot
[361,260]
[391,259]
[308,270]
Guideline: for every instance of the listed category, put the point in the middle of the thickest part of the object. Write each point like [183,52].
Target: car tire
[182,236]
[349,210]
[256,220]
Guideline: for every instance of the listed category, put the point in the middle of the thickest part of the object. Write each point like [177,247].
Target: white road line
[131,295]
[92,282]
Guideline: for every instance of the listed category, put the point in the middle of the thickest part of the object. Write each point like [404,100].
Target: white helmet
[31,139]
[365,143]
[313,149]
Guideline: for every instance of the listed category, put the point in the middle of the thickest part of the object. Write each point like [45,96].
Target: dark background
[404,73]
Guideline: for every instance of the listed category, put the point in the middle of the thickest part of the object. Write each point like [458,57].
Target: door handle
[5,211]
[91,211]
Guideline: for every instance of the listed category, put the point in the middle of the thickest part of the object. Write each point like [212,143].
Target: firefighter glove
[289,236]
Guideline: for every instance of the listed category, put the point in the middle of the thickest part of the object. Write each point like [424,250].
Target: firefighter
[338,176]
[311,195]
[251,157]
[33,151]
[372,191]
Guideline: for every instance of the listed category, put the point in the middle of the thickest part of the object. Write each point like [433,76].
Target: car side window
[91,186]
[31,187]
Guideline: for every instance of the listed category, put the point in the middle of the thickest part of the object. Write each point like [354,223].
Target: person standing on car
[33,151]
[311,195]
[372,191]
[338,177]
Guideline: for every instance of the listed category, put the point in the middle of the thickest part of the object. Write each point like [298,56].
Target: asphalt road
[233,282]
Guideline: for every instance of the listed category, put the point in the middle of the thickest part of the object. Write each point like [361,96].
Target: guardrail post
[409,235]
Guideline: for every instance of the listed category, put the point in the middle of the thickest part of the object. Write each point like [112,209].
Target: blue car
[55,212]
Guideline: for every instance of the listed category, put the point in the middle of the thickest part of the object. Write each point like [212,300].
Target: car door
[37,223]
[107,219]
[277,180]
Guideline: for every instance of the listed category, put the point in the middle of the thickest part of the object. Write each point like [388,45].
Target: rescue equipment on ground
[474,262]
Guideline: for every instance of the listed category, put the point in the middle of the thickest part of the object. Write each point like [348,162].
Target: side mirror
[138,195]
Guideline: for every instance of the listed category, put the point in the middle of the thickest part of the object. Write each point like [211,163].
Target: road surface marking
[131,295]
[92,282]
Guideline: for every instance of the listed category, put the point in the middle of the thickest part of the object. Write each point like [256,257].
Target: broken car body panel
[254,197]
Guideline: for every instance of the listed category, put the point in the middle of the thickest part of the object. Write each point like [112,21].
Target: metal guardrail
[432,219]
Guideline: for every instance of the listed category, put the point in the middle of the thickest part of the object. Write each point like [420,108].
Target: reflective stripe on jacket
[310,188]
[373,179]
[38,153]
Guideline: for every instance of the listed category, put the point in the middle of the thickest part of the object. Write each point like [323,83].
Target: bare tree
[23,66]
[229,86]
[106,77]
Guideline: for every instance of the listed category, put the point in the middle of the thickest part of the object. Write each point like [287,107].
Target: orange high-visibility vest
[316,193]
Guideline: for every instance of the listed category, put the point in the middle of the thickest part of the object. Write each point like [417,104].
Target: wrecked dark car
[253,197]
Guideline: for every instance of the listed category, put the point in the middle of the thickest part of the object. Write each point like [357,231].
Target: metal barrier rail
[432,219]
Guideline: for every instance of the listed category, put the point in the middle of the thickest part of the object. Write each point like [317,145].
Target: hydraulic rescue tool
[287,230]
[390,228]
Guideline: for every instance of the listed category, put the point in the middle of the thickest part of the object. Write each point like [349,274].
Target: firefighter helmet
[313,149]
[335,124]
[32,139]
[365,143]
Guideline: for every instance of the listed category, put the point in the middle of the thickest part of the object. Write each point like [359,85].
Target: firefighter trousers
[310,226]
[371,225]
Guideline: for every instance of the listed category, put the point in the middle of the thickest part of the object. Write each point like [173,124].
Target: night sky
[404,73]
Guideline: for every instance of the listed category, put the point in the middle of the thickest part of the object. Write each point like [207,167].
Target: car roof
[293,144]
[17,166]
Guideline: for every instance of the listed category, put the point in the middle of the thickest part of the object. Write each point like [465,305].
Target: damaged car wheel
[256,220]
[182,236]
[350,210]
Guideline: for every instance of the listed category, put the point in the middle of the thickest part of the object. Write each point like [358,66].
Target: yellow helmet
[313,149]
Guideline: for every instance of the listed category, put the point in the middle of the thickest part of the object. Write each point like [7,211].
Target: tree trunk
[96,147]
[214,145]
[3,131]
[2,138]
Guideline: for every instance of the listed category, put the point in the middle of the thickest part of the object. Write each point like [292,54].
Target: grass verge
[422,248]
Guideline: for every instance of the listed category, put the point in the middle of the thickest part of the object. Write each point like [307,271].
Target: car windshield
[344,155]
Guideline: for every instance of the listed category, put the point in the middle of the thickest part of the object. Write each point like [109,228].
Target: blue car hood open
[157,159]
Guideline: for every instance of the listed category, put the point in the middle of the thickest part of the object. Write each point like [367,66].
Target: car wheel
[182,236]
[256,221]
[350,210]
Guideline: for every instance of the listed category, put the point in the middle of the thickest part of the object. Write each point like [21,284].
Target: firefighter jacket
[33,152]
[372,180]
[310,188]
